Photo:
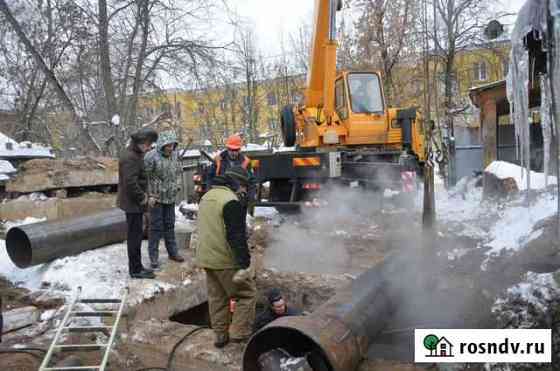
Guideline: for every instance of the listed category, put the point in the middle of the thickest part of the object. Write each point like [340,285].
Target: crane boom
[322,64]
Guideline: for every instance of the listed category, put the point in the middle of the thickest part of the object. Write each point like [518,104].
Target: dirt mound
[84,163]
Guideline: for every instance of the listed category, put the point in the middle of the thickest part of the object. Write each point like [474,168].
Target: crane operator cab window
[365,93]
[340,99]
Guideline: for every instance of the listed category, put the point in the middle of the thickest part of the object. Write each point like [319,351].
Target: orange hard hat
[234,142]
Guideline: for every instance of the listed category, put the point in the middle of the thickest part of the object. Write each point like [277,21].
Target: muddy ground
[310,257]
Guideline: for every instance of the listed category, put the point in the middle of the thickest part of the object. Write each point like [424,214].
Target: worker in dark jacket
[224,254]
[277,307]
[133,196]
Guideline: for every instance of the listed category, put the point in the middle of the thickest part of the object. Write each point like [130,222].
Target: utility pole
[428,212]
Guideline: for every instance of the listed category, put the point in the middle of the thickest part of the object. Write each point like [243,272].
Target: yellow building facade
[209,116]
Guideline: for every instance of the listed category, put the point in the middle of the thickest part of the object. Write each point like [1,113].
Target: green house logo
[438,347]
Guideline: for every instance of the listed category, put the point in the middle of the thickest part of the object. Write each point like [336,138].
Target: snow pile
[523,304]
[35,196]
[503,170]
[514,228]
[455,209]
[6,167]
[265,212]
[500,227]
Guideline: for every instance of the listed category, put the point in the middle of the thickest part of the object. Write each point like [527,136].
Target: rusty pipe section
[38,243]
[336,336]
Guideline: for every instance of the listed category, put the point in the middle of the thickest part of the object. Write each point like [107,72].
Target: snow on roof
[6,167]
[190,153]
[4,177]
[284,149]
[503,170]
[254,147]
[6,139]
[9,148]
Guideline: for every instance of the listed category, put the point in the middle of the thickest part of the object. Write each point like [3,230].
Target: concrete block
[21,317]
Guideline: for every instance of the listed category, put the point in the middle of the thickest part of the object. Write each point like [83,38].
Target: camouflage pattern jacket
[162,171]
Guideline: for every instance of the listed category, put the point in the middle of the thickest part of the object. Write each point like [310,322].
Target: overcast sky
[272,18]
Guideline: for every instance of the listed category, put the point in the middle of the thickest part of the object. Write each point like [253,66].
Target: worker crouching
[224,254]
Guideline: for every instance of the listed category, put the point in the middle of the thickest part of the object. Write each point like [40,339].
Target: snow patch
[536,288]
[503,170]
[102,273]
[265,212]
[514,227]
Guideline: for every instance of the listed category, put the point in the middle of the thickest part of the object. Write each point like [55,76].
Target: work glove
[242,275]
[152,201]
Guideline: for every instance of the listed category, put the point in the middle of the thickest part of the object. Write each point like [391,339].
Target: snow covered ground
[506,225]
[102,273]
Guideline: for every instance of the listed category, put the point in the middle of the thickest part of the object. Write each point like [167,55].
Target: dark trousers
[162,223]
[134,242]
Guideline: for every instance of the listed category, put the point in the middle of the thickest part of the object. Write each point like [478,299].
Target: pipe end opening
[19,247]
[291,340]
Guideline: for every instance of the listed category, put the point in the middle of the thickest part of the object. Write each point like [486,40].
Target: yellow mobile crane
[342,132]
[345,109]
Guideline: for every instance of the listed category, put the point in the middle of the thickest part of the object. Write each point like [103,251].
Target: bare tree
[78,65]
[383,33]
[456,25]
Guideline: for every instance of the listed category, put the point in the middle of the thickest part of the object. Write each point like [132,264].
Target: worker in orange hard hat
[232,157]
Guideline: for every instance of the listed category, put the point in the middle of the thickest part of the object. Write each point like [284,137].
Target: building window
[200,108]
[271,98]
[505,67]
[480,71]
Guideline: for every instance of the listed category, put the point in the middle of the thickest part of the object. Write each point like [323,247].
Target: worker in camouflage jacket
[162,169]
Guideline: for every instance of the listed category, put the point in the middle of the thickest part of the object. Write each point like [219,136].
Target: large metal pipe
[336,336]
[38,243]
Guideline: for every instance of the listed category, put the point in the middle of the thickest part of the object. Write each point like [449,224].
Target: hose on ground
[177,344]
[172,354]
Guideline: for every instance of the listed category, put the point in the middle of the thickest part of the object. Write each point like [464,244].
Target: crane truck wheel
[288,126]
